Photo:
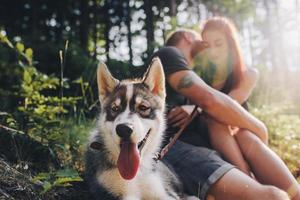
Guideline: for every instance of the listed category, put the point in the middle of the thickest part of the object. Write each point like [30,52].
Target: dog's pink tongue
[129,160]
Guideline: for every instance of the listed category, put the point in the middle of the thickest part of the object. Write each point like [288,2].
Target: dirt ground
[15,185]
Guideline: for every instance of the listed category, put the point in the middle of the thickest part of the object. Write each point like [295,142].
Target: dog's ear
[106,82]
[154,78]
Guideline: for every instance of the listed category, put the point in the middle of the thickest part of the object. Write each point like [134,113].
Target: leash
[166,148]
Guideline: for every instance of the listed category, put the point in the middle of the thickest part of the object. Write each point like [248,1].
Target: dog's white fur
[147,184]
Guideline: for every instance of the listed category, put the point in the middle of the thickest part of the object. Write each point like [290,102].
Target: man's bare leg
[235,185]
[267,167]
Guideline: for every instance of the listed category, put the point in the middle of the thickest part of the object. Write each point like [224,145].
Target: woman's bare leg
[235,185]
[267,167]
[223,142]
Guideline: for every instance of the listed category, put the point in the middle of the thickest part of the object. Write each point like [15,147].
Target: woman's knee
[249,143]
[246,135]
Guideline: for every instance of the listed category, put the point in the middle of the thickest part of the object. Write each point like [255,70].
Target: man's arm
[218,105]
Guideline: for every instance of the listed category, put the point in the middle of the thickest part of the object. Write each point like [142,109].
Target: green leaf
[64,180]
[41,177]
[29,52]
[5,40]
[20,47]
[29,55]
[40,110]
[67,173]
[47,186]
[79,80]
[27,77]
[2,37]
[10,120]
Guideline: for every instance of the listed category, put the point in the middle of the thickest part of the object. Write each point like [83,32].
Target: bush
[39,114]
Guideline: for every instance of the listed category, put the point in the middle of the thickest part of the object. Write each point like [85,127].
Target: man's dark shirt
[173,60]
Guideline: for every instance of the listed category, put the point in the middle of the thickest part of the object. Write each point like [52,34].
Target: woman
[221,66]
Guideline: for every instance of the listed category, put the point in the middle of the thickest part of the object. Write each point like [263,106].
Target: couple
[251,169]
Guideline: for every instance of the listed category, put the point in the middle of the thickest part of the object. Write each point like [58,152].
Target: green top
[210,73]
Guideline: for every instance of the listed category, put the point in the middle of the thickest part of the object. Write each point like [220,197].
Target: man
[202,171]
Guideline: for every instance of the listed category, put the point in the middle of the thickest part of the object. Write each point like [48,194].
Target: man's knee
[273,193]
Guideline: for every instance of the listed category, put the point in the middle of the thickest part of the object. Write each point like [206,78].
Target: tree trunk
[128,24]
[60,21]
[173,12]
[84,24]
[149,26]
[34,18]
[106,30]
[95,30]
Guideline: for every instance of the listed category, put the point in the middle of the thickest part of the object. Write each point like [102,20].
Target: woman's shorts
[197,167]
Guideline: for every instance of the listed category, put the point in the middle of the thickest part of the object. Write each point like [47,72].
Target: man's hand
[178,116]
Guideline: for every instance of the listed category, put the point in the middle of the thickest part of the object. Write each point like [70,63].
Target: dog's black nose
[124,130]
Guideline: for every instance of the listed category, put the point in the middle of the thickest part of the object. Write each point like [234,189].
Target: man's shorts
[198,168]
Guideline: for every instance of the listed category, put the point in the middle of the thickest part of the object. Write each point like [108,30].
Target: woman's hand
[243,90]
[179,115]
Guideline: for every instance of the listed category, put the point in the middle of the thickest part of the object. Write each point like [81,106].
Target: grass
[284,133]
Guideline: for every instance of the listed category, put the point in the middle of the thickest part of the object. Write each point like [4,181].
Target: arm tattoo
[185,82]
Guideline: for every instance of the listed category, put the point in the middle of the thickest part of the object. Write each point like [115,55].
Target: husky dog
[119,158]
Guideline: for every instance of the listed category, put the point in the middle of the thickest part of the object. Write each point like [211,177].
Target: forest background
[49,52]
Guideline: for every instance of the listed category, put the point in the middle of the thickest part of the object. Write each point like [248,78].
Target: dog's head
[132,116]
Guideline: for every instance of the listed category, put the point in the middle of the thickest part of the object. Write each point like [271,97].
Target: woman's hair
[226,27]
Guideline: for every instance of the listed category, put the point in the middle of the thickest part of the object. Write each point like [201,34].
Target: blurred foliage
[101,27]
[284,132]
